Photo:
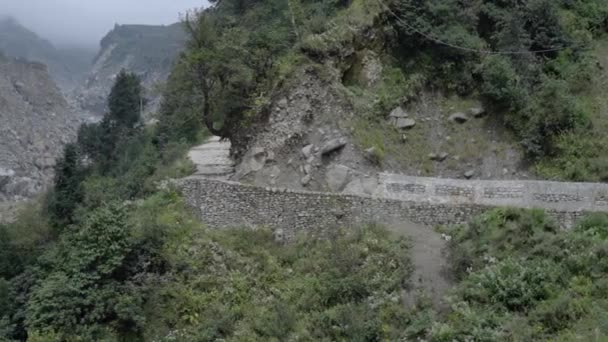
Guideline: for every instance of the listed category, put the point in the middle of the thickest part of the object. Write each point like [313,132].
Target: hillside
[328,112]
[146,50]
[35,123]
[458,94]
[66,66]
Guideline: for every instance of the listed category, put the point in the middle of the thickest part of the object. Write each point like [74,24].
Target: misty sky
[85,22]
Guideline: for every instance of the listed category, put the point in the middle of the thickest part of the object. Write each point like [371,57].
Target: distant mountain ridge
[67,66]
[147,50]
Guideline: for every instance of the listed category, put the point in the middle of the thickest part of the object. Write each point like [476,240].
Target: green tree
[85,285]
[126,100]
[66,194]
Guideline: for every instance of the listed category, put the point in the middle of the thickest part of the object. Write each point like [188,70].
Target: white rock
[337,177]
[307,150]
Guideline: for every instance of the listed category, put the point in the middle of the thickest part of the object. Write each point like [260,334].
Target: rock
[5,176]
[283,103]
[398,113]
[333,144]
[362,186]
[337,177]
[258,151]
[270,157]
[307,150]
[469,174]
[433,156]
[306,180]
[371,154]
[459,118]
[278,235]
[371,71]
[19,86]
[6,172]
[307,169]
[443,156]
[405,123]
[253,161]
[477,112]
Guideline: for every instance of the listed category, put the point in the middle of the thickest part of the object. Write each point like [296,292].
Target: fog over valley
[84,23]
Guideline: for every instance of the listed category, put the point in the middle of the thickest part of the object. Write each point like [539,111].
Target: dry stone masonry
[396,198]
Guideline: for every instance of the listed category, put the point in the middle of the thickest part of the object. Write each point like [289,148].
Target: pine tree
[126,100]
[67,194]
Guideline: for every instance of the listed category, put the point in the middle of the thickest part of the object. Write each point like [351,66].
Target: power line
[467,49]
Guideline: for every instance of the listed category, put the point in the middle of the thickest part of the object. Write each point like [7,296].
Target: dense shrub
[524,279]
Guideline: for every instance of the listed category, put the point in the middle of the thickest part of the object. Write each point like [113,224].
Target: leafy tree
[84,284]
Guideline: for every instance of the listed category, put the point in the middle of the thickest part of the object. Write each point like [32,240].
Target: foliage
[66,194]
[533,89]
[241,285]
[82,286]
[125,100]
[525,279]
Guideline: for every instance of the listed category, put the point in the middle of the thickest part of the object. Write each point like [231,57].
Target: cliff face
[148,51]
[35,123]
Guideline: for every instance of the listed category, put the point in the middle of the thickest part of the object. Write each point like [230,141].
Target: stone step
[212,159]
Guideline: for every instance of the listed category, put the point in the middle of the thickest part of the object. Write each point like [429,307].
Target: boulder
[477,112]
[438,157]
[337,177]
[278,235]
[252,162]
[362,186]
[405,123]
[469,174]
[398,113]
[308,150]
[270,156]
[459,117]
[307,169]
[333,144]
[305,180]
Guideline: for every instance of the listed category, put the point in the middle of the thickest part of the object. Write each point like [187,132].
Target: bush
[526,280]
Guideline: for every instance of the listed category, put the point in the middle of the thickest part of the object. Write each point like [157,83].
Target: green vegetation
[524,279]
[112,253]
[540,86]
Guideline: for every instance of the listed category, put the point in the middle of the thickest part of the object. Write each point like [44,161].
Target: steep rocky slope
[35,123]
[67,66]
[315,136]
[148,51]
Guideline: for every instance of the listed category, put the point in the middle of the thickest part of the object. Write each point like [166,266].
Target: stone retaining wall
[398,198]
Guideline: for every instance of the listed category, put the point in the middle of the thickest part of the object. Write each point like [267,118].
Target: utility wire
[463,48]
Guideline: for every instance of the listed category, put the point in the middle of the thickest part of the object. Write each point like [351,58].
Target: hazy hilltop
[147,50]
[67,66]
